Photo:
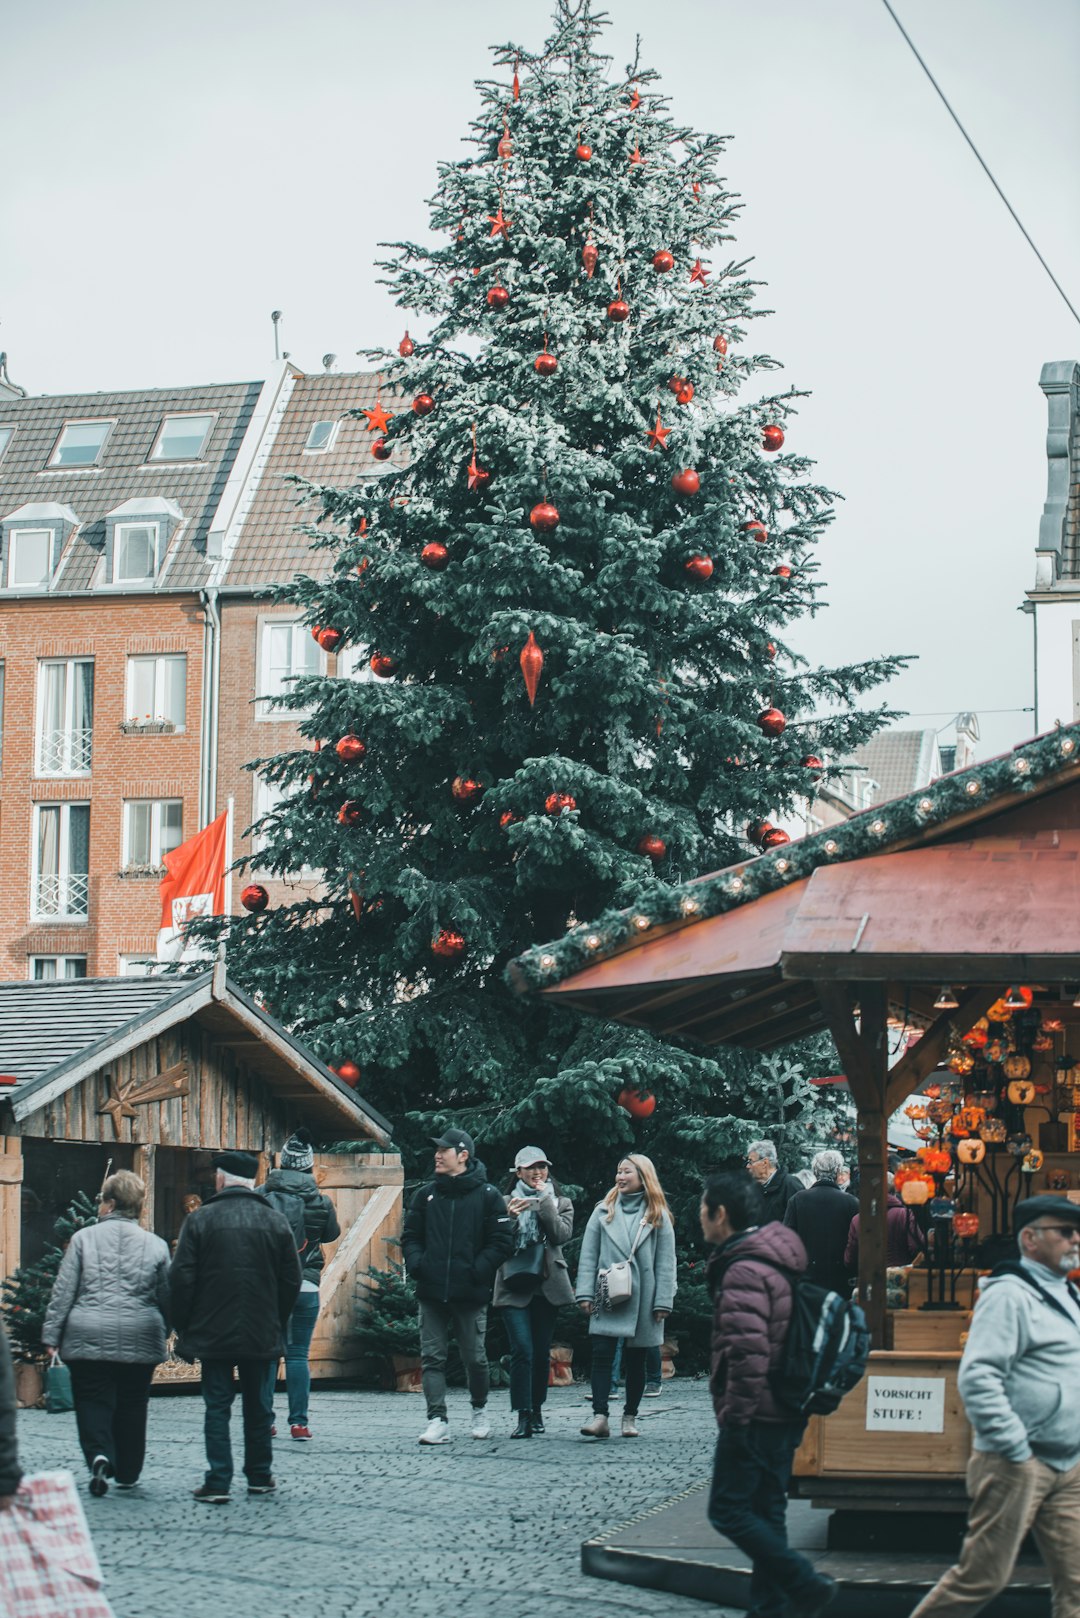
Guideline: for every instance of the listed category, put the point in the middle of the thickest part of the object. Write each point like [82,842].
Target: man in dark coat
[457,1233]
[10,1470]
[822,1217]
[777,1186]
[757,1438]
[233,1283]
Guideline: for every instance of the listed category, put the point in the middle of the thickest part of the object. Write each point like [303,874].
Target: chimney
[8,388]
[967,735]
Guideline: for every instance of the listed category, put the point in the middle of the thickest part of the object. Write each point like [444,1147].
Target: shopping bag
[58,1392]
[48,1565]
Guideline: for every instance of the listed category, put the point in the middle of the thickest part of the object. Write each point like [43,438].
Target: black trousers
[748,1504]
[111,1400]
[603,1358]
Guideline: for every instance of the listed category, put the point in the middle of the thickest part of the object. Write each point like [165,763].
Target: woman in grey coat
[633,1223]
[541,1213]
[107,1318]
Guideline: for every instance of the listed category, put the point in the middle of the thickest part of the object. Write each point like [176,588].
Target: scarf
[528,1226]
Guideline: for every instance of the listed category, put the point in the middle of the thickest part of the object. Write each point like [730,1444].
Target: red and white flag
[194,886]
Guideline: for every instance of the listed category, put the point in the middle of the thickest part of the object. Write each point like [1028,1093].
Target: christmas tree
[26,1294]
[571,571]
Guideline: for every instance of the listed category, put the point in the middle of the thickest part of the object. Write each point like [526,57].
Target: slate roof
[123,472]
[900,761]
[44,1025]
[270,549]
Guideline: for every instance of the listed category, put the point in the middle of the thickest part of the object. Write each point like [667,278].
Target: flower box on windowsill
[147,727]
[145,873]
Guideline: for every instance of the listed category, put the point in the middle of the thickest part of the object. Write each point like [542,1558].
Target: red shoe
[303,1433]
[273,1432]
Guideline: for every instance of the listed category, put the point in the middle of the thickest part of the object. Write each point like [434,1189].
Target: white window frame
[15,534]
[321,449]
[54,462]
[156,805]
[157,714]
[5,443]
[354,663]
[72,890]
[142,578]
[264,710]
[182,415]
[61,963]
[72,748]
[266,796]
[137,966]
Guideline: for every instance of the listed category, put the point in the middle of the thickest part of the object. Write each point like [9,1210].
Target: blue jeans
[219,1391]
[298,1334]
[748,1504]
[530,1328]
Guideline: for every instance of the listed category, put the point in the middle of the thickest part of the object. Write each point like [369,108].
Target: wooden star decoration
[378,420]
[658,435]
[699,272]
[499,225]
[118,1106]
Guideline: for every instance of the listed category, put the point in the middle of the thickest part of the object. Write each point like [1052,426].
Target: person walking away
[541,1214]
[234,1281]
[1018,1369]
[10,1470]
[821,1217]
[777,1186]
[291,1188]
[749,1276]
[903,1237]
[108,1317]
[631,1225]
[456,1234]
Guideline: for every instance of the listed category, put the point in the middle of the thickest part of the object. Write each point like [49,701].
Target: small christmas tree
[26,1294]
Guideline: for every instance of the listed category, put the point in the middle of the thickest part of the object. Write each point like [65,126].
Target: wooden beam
[145,1166]
[910,1071]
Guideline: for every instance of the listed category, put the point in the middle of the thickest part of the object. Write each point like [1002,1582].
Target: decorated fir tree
[572,567]
[26,1293]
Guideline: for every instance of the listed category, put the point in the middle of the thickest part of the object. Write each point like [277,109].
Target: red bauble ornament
[330,639]
[498,298]
[663,261]
[546,364]
[505,147]
[381,664]
[812,762]
[618,310]
[719,342]
[556,802]
[254,898]
[381,450]
[770,650]
[636,1104]
[653,846]
[406,346]
[544,516]
[782,572]
[775,838]
[677,383]
[348,1073]
[448,945]
[350,812]
[423,404]
[771,721]
[507,818]
[758,830]
[584,152]
[685,393]
[350,749]
[532,664]
[589,257]
[756,530]
[772,438]
[686,482]
[435,556]
[699,567]
[465,789]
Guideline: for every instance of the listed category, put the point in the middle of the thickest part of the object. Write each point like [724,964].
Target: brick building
[137,531]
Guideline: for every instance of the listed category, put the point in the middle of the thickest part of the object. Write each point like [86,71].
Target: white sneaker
[481,1427]
[437,1431]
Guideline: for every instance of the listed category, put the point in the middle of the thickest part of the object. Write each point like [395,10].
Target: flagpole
[229,855]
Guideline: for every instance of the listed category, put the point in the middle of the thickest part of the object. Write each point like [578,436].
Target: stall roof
[54,1035]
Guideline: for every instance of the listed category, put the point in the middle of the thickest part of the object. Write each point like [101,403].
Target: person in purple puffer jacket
[749,1277]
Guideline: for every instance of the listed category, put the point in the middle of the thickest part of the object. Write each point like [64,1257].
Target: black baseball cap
[456,1139]
[1033,1208]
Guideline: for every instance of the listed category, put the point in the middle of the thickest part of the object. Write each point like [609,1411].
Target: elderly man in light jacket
[1017,1376]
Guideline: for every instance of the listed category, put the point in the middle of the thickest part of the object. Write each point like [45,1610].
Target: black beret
[245,1165]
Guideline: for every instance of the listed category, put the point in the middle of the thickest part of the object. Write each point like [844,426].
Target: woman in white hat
[533,1283]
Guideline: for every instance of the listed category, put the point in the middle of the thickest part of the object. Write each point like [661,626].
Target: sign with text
[905,1404]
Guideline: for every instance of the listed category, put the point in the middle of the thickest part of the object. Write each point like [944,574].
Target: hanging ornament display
[663,261]
[330,639]
[498,298]
[350,813]
[544,517]
[556,803]
[348,1073]
[254,898]
[583,153]
[638,1105]
[465,789]
[782,571]
[545,364]
[699,273]
[775,837]
[350,749]
[756,530]
[676,384]
[686,482]
[618,310]
[772,438]
[406,347]
[771,721]
[658,435]
[590,257]
[653,846]
[381,450]
[685,393]
[378,420]
[423,404]
[720,343]
[758,830]
[532,666]
[499,225]
[505,147]
[382,665]
[699,567]
[435,556]
[447,944]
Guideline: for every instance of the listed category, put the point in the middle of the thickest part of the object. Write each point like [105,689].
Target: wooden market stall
[156,1075]
[954,911]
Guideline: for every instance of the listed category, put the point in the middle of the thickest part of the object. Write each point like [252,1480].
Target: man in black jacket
[822,1217]
[233,1283]
[776,1185]
[457,1233]
[10,1470]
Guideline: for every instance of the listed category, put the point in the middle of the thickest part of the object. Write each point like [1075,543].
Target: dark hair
[739,1194]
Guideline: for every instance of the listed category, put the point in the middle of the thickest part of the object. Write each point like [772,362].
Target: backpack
[825,1351]
[291,1208]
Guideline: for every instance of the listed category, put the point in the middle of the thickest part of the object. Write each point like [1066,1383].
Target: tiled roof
[43,1026]
[270,549]
[900,761]
[123,472]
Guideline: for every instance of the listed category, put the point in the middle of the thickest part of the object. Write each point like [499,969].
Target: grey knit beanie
[297,1151]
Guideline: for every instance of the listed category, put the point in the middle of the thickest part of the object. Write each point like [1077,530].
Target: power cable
[982,163]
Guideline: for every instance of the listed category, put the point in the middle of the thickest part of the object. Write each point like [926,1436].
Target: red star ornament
[635,100]
[499,225]
[478,478]
[636,157]
[658,435]
[378,420]
[699,272]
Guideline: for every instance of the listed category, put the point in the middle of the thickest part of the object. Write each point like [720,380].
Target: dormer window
[31,544]
[29,556]
[137,535]
[80,443]
[321,436]
[6,435]
[182,438]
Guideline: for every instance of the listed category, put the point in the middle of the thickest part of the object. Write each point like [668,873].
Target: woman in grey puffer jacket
[107,1317]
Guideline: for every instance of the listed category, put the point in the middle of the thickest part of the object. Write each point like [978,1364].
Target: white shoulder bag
[615,1285]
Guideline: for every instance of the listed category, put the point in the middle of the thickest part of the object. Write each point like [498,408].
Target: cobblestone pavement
[367,1522]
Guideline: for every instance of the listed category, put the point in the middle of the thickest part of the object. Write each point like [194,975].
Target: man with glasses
[777,1186]
[1017,1376]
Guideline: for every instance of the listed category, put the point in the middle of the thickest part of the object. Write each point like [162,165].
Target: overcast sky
[178,173]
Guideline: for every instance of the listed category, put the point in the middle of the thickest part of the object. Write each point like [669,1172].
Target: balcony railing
[64,895]
[65,752]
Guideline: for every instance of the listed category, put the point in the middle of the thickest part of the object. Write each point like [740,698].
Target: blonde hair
[126,1191]
[655,1201]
